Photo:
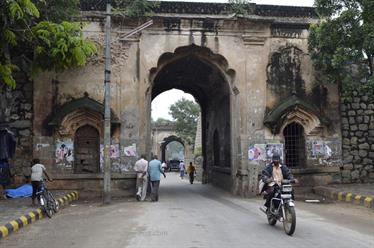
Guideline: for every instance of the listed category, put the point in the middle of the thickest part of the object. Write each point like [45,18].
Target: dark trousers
[269,194]
[35,188]
[154,190]
[192,176]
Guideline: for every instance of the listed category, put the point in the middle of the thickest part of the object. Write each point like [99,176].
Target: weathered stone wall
[358,138]
[17,112]
[211,58]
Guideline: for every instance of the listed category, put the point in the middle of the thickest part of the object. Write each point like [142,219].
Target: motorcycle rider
[273,174]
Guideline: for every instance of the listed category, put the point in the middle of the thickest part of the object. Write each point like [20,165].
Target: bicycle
[46,200]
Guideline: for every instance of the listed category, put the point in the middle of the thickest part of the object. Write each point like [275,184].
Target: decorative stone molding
[70,116]
[213,9]
[250,40]
[311,123]
[297,110]
[79,118]
[288,30]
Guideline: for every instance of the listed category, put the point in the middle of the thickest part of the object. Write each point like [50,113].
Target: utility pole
[107,112]
[107,117]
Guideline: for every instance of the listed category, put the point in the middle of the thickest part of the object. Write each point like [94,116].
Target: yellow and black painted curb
[357,199]
[31,217]
[342,196]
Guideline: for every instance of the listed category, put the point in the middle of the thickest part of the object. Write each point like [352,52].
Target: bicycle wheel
[48,209]
[54,203]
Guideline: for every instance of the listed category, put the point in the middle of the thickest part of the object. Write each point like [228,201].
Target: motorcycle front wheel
[272,220]
[289,220]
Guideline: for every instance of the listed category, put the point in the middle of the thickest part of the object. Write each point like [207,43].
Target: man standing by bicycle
[37,171]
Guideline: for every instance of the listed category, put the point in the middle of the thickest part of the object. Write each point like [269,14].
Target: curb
[345,196]
[31,217]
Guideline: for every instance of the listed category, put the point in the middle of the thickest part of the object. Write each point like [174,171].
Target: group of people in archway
[148,174]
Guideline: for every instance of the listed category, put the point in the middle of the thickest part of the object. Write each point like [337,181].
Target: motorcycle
[282,207]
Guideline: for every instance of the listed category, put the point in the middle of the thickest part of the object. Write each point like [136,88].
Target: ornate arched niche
[67,118]
[299,111]
[78,118]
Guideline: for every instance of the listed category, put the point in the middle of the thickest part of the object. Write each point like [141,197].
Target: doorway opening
[87,150]
[294,141]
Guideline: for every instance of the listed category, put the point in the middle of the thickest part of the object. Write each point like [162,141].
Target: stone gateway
[251,75]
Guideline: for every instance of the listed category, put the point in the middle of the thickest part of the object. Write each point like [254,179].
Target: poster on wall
[321,149]
[64,152]
[114,152]
[130,151]
[257,152]
[272,148]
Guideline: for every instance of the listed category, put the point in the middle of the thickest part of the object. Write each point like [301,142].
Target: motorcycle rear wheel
[289,220]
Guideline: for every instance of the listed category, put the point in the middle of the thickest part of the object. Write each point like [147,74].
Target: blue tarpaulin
[22,191]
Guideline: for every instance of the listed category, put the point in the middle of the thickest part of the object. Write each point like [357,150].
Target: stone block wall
[17,112]
[358,139]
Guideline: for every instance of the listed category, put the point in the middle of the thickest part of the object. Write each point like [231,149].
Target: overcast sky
[161,104]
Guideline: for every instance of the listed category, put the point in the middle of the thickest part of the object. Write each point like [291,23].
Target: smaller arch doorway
[172,148]
[87,150]
[294,145]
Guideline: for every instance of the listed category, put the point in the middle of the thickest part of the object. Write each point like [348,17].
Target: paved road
[195,216]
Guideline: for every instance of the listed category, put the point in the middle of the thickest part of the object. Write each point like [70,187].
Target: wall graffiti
[65,152]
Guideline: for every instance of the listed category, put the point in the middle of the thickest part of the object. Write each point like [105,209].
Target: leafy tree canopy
[342,44]
[162,121]
[185,113]
[136,8]
[36,35]
[239,7]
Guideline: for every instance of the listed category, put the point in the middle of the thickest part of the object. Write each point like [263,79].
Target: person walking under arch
[191,172]
[141,167]
[182,168]
[154,171]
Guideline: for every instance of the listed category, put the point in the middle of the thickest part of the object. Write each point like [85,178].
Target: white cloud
[162,103]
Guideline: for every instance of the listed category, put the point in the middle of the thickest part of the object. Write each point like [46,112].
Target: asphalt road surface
[195,216]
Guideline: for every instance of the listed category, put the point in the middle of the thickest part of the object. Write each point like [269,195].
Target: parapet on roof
[213,9]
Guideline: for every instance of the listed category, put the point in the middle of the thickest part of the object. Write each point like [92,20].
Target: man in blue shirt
[154,171]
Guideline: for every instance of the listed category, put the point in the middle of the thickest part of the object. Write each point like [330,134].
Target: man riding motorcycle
[273,174]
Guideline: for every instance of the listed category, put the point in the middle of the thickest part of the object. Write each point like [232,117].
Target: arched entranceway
[87,150]
[204,75]
[294,142]
[165,144]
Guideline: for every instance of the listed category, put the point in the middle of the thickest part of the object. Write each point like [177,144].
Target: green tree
[185,113]
[136,8]
[240,7]
[342,44]
[162,121]
[31,42]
